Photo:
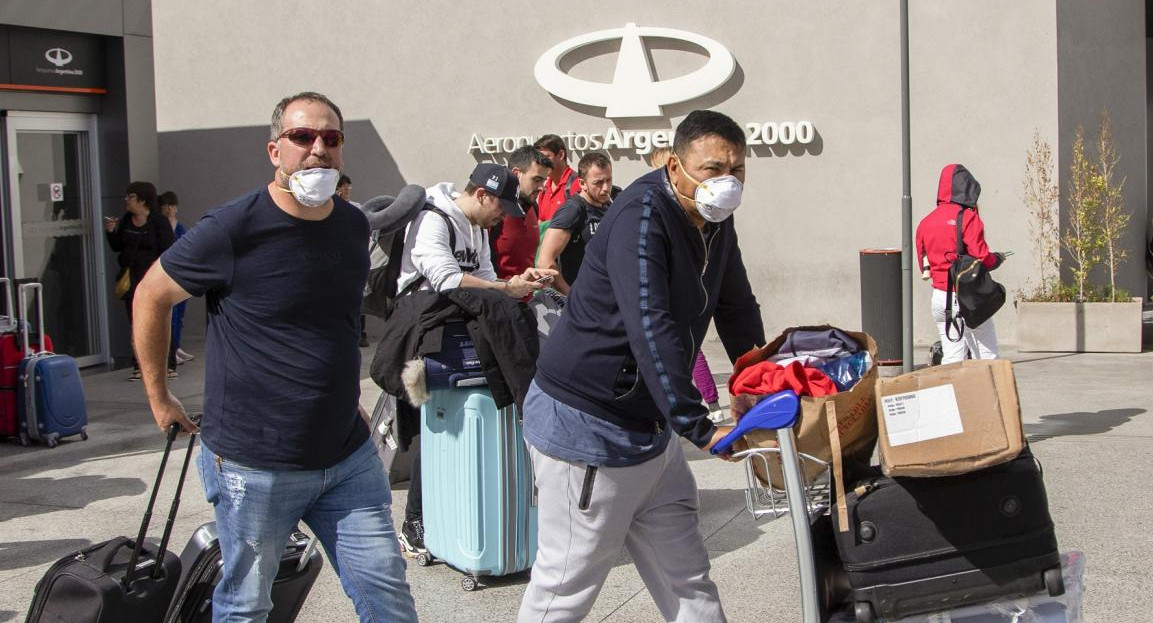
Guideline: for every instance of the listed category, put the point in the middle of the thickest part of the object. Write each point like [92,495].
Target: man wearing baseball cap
[447,247]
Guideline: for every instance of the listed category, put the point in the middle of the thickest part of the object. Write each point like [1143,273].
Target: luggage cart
[805,501]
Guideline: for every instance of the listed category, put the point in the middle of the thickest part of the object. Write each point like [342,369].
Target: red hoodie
[937,232]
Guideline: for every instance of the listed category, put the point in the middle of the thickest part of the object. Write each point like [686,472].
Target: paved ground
[1088,416]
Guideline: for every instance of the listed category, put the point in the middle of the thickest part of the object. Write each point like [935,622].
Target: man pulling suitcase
[283,436]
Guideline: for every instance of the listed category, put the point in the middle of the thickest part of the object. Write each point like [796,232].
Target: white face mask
[717,197]
[313,187]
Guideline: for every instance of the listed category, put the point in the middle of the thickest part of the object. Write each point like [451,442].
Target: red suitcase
[11,354]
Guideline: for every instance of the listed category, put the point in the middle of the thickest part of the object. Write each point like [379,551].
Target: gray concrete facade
[126,114]
[417,81]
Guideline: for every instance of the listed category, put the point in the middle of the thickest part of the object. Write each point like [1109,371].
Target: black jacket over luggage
[299,565]
[919,545]
[117,581]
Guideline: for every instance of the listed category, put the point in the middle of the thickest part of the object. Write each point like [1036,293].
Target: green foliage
[1068,293]
[1094,225]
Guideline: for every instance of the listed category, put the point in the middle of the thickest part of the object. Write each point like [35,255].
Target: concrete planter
[1079,327]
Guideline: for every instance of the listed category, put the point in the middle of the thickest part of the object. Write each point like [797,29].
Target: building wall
[126,115]
[415,82]
[1101,56]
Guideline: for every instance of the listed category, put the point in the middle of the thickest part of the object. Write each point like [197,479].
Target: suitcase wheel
[469,583]
[52,442]
[864,612]
[1054,583]
[423,559]
[24,440]
[83,435]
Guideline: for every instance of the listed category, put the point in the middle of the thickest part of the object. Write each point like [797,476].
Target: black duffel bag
[978,295]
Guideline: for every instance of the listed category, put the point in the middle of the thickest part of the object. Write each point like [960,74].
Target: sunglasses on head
[305,137]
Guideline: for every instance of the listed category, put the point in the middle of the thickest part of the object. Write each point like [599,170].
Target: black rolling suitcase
[917,545]
[117,581]
[300,564]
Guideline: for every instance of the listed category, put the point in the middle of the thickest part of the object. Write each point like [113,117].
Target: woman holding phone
[139,237]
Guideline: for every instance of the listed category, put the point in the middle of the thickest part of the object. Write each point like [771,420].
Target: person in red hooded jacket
[957,193]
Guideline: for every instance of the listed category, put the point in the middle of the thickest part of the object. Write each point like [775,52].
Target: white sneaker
[717,414]
[182,356]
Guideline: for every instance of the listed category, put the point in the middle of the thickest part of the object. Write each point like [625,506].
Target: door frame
[16,121]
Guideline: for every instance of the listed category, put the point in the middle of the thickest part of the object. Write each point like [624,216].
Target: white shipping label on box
[921,415]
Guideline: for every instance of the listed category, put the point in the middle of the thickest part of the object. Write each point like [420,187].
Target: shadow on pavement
[7,615]
[22,554]
[24,497]
[1079,423]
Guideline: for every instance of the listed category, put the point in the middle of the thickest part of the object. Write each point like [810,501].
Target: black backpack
[978,295]
[384,269]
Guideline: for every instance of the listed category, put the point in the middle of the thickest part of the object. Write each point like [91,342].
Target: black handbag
[978,295]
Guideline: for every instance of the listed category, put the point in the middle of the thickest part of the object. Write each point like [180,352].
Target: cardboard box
[856,426]
[949,419]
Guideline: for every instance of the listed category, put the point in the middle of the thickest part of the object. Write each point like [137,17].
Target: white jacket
[426,246]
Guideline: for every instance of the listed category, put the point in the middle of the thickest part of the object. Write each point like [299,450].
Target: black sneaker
[412,536]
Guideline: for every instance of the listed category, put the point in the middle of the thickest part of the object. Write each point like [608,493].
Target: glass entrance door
[53,225]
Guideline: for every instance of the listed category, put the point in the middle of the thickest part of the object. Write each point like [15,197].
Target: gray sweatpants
[649,509]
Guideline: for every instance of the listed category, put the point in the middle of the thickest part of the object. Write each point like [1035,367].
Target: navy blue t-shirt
[282,370]
[581,219]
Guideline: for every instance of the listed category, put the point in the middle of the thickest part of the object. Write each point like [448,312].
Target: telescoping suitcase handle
[11,321]
[39,326]
[138,546]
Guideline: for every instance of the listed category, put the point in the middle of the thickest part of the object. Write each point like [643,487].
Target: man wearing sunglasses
[283,436]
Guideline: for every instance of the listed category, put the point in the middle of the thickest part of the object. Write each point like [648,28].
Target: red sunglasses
[306,137]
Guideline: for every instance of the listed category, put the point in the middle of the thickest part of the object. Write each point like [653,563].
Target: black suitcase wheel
[83,435]
[1054,583]
[864,612]
[52,442]
[423,559]
[468,583]
[24,440]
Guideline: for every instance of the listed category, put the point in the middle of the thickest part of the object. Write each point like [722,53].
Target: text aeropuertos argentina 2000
[644,141]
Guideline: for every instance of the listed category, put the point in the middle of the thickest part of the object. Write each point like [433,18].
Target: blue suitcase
[457,364]
[480,513]
[49,392]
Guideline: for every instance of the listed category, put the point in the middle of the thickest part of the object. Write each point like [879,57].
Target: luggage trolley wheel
[864,612]
[469,583]
[1054,583]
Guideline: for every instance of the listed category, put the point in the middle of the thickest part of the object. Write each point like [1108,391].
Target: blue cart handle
[779,410]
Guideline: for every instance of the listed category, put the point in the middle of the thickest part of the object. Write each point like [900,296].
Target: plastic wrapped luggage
[118,580]
[479,511]
[300,564]
[49,393]
[914,545]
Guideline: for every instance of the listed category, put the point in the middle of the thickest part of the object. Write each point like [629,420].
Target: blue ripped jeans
[347,506]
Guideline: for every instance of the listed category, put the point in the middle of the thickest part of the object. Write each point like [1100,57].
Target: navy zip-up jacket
[650,283]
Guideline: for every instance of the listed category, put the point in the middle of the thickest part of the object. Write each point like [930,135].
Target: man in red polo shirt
[515,239]
[562,182]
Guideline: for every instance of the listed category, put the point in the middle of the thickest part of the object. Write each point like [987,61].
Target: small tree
[1041,194]
[1111,203]
[1094,225]
[1082,239]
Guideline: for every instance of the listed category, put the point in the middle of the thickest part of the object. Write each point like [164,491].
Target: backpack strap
[420,279]
[953,323]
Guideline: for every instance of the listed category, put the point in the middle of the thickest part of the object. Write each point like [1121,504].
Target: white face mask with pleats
[717,197]
[313,187]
